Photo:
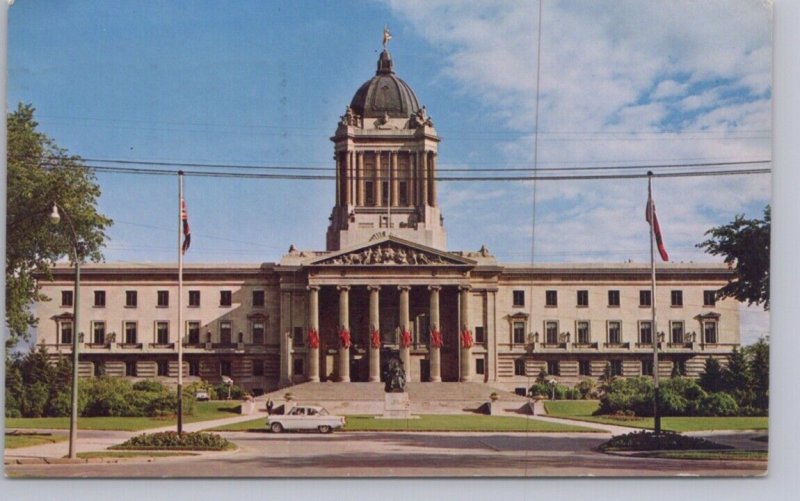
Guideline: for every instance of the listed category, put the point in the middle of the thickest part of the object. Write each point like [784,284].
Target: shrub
[633,394]
[586,388]
[171,440]
[718,404]
[648,441]
[220,392]
[149,385]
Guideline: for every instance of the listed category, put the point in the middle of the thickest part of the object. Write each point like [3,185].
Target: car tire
[325,429]
[276,428]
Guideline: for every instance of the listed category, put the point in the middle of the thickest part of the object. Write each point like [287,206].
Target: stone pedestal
[396,406]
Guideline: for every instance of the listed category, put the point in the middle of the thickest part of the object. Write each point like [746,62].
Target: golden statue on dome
[386,36]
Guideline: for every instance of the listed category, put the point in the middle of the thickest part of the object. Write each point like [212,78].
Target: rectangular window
[614,334]
[480,334]
[163,367]
[583,298]
[66,332]
[647,367]
[384,193]
[298,369]
[369,191]
[551,298]
[519,298]
[645,332]
[297,336]
[162,300]
[162,332]
[676,298]
[553,368]
[677,332]
[99,368]
[258,299]
[224,368]
[645,298]
[100,299]
[403,193]
[519,332]
[519,367]
[225,334]
[258,332]
[194,332]
[584,368]
[480,366]
[130,368]
[679,367]
[194,367]
[225,298]
[131,299]
[130,332]
[194,299]
[613,298]
[616,367]
[98,332]
[583,332]
[258,367]
[710,332]
[551,332]
[66,298]
[709,298]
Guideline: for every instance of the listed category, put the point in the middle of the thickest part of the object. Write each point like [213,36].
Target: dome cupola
[385,94]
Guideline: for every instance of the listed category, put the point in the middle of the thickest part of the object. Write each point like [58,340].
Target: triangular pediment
[391,251]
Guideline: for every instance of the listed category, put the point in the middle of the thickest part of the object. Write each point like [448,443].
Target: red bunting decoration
[436,339]
[466,339]
[375,339]
[344,337]
[405,339]
[313,338]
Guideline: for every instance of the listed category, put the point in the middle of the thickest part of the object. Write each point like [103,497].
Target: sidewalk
[93,440]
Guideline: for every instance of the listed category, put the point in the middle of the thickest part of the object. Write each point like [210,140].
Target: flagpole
[180,302]
[654,331]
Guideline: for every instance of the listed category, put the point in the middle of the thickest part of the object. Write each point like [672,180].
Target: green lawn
[16,441]
[204,411]
[436,422]
[581,410]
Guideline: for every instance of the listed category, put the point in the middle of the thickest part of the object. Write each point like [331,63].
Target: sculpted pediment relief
[389,253]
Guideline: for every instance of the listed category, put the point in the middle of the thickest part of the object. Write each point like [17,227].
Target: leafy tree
[759,368]
[745,245]
[39,174]
[738,378]
[711,379]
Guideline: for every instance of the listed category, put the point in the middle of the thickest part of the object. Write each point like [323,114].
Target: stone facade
[386,286]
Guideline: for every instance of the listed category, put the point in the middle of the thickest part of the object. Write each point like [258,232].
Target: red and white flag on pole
[656,228]
[187,233]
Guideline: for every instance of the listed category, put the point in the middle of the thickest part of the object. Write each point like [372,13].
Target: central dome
[385,94]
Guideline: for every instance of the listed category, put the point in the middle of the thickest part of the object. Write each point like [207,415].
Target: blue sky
[263,83]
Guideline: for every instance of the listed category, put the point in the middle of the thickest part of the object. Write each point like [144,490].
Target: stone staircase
[425,398]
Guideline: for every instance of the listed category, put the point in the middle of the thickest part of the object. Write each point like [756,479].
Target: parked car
[305,417]
[201,396]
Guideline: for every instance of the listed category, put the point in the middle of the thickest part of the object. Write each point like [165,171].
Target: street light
[55,218]
[552,384]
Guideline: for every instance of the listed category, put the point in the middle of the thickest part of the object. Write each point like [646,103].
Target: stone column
[378,180]
[432,180]
[374,333]
[344,333]
[435,335]
[346,183]
[285,341]
[337,159]
[405,333]
[313,333]
[359,178]
[395,184]
[424,183]
[465,335]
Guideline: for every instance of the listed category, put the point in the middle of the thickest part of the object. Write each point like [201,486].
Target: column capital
[434,288]
[464,288]
[341,288]
[373,287]
[403,287]
[313,287]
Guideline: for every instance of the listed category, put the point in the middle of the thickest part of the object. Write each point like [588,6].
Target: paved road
[404,454]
